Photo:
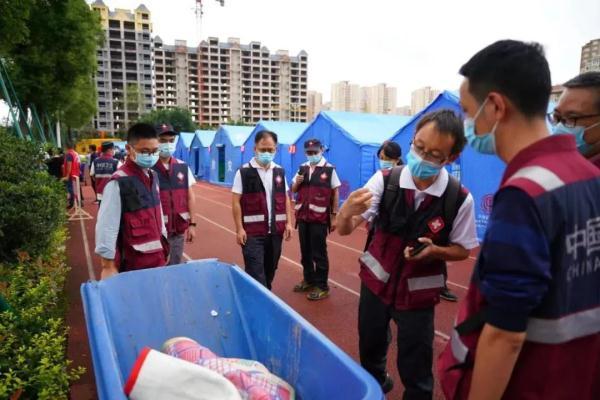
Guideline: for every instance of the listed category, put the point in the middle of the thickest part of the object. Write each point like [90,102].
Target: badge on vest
[180,176]
[278,180]
[324,176]
[436,224]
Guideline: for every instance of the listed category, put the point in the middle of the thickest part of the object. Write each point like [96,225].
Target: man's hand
[241,237]
[108,270]
[429,253]
[287,235]
[357,203]
[191,234]
[333,224]
[299,179]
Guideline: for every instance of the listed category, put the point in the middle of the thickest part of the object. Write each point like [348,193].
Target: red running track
[336,316]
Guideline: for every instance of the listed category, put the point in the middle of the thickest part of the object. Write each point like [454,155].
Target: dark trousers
[261,256]
[313,246]
[71,192]
[415,343]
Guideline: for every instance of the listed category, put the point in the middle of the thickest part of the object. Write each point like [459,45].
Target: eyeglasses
[570,122]
[148,153]
[427,156]
[311,153]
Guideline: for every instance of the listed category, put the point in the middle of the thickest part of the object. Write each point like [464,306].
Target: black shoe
[388,384]
[448,295]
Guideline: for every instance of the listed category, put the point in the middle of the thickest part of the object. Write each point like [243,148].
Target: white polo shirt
[266,177]
[464,232]
[335,180]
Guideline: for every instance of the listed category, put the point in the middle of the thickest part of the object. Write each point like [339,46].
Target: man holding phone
[317,186]
[422,218]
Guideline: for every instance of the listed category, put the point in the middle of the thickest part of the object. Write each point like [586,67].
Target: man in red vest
[422,218]
[317,186]
[71,171]
[103,168]
[261,209]
[130,232]
[529,327]
[578,113]
[176,194]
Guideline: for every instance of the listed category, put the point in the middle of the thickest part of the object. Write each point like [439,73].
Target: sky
[406,44]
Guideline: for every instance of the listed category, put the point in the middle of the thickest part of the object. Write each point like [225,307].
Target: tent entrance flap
[221,163]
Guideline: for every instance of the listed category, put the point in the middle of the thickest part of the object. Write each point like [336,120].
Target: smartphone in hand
[418,249]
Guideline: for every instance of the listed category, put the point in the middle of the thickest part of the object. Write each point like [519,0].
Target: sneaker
[448,295]
[388,384]
[318,294]
[302,287]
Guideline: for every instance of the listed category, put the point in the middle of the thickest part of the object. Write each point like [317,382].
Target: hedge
[33,335]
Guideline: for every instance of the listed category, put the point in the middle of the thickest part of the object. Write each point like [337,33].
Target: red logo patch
[436,224]
[323,176]
[278,180]
[180,176]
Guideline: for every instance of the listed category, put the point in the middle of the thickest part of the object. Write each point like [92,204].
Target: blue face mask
[420,168]
[486,143]
[385,164]
[265,158]
[166,149]
[578,132]
[314,159]
[145,160]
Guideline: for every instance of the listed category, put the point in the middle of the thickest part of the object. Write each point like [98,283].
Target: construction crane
[199,11]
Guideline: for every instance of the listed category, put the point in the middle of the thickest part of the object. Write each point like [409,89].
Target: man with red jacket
[102,169]
[71,172]
[422,218]
[317,186]
[529,327]
[176,194]
[130,232]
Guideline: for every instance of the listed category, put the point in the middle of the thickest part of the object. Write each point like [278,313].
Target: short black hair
[107,146]
[93,147]
[70,144]
[518,70]
[141,131]
[390,150]
[587,80]
[446,122]
[262,134]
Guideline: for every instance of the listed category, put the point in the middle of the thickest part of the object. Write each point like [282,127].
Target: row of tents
[351,141]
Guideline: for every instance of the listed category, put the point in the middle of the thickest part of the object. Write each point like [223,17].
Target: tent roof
[205,137]
[287,132]
[187,138]
[366,128]
[237,134]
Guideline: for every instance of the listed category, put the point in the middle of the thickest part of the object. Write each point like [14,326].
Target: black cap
[312,145]
[165,129]
[107,146]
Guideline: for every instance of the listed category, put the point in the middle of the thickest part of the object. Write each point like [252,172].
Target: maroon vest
[140,243]
[313,203]
[255,215]
[174,187]
[403,284]
[104,168]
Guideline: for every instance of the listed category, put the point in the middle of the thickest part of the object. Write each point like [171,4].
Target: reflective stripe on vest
[280,217]
[317,208]
[459,350]
[148,247]
[425,282]
[107,176]
[565,329]
[540,175]
[185,215]
[254,218]
[298,206]
[374,266]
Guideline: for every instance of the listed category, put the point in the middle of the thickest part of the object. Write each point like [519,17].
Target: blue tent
[287,134]
[199,153]
[351,141]
[183,143]
[226,153]
[479,173]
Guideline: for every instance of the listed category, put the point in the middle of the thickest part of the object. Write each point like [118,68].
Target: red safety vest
[255,214]
[560,358]
[313,203]
[104,168]
[174,188]
[140,243]
[74,164]
[403,284]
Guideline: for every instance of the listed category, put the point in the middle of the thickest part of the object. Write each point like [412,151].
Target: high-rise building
[315,104]
[176,72]
[346,97]
[247,83]
[404,110]
[380,99]
[557,91]
[422,97]
[124,75]
[590,56]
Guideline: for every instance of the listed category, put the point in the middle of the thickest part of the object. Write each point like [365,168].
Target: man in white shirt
[316,185]
[423,218]
[261,209]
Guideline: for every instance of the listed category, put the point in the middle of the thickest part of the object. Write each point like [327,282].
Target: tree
[13,23]
[179,118]
[54,67]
